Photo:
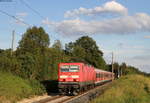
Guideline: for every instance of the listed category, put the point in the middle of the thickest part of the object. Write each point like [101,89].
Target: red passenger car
[103,76]
[75,77]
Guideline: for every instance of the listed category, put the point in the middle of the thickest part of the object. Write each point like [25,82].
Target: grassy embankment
[13,88]
[128,89]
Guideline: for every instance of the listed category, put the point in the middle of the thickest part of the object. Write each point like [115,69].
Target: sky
[118,26]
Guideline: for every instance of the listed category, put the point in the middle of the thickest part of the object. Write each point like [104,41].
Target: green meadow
[128,89]
[13,88]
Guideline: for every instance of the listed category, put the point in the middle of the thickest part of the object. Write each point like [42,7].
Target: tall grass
[13,88]
[128,89]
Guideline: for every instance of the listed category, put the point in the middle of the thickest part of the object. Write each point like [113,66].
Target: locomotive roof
[100,70]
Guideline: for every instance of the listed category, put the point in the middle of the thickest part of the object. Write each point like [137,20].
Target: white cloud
[20,22]
[22,14]
[20,18]
[130,46]
[111,7]
[147,37]
[49,23]
[137,56]
[123,25]
[141,61]
[145,68]
[145,58]
[46,21]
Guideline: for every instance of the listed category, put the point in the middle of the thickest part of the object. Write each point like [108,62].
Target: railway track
[85,96]
[89,95]
[55,99]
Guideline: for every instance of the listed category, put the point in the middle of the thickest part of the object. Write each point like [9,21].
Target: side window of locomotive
[97,75]
[100,75]
[64,68]
[74,68]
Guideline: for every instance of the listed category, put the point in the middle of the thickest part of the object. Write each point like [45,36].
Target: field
[128,89]
[13,88]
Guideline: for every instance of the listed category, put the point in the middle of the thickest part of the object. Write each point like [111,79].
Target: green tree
[56,55]
[89,45]
[123,67]
[32,53]
[85,50]
[57,45]
[116,69]
[34,40]
[9,63]
[28,66]
[78,54]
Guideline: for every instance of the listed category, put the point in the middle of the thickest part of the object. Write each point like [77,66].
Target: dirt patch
[34,99]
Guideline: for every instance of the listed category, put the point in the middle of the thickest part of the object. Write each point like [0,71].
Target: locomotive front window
[71,68]
[65,68]
[74,68]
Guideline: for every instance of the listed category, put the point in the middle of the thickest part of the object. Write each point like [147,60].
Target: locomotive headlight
[75,76]
[63,76]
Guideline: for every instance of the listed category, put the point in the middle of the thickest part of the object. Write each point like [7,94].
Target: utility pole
[121,72]
[112,66]
[12,43]
[118,72]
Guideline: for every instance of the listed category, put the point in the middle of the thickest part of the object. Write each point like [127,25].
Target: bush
[37,87]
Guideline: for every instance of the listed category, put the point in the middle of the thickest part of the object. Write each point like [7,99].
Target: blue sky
[119,26]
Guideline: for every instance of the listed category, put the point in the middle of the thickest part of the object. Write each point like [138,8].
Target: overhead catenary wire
[35,11]
[12,16]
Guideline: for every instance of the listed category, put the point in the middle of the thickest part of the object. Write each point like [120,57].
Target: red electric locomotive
[75,77]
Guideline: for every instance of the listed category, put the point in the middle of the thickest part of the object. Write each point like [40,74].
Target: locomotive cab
[69,73]
[68,78]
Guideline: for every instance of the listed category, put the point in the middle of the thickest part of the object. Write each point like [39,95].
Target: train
[74,78]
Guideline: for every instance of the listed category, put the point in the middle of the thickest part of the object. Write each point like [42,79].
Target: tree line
[35,59]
